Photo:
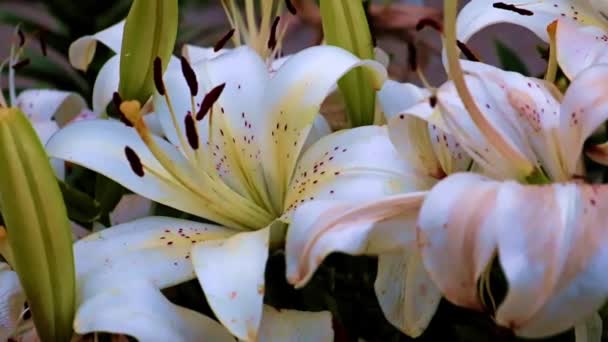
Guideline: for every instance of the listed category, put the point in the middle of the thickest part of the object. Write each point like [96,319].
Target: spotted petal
[231,273]
[82,50]
[533,15]
[467,219]
[121,270]
[45,105]
[110,139]
[579,47]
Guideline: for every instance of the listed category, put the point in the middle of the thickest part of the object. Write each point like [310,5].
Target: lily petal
[292,101]
[291,325]
[45,105]
[120,271]
[396,97]
[354,163]
[110,139]
[535,16]
[82,50]
[12,300]
[196,54]
[407,295]
[579,47]
[129,208]
[106,84]
[322,227]
[231,273]
[551,288]
[584,109]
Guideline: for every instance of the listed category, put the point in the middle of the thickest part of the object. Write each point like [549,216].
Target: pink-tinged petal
[549,241]
[291,325]
[584,109]
[551,249]
[579,47]
[83,49]
[231,273]
[454,236]
[322,227]
[407,295]
[533,15]
[131,207]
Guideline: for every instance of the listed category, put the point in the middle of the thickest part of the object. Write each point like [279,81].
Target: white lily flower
[240,165]
[385,227]
[533,15]
[579,47]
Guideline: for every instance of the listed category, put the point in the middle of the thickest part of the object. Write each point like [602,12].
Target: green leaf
[345,25]
[509,60]
[150,32]
[39,232]
[81,207]
[107,193]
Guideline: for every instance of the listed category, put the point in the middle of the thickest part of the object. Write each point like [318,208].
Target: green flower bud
[150,32]
[345,25]
[39,232]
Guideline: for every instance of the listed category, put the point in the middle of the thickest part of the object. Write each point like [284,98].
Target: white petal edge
[291,325]
[82,50]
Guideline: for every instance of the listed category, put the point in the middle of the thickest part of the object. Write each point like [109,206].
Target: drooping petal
[396,97]
[322,227]
[579,47]
[548,239]
[109,139]
[533,15]
[407,295]
[354,163]
[12,300]
[106,84]
[584,109]
[42,105]
[291,325]
[292,100]
[121,270]
[455,241]
[231,273]
[82,50]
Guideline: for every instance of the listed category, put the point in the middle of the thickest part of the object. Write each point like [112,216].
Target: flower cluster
[486,172]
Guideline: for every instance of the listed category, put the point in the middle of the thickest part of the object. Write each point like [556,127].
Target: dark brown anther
[467,52]
[190,76]
[117,101]
[428,22]
[21,37]
[134,161]
[433,101]
[512,8]
[220,43]
[412,56]
[290,7]
[191,133]
[158,76]
[21,64]
[209,100]
[272,40]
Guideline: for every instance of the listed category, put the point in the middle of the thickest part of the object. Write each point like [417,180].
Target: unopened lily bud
[38,230]
[345,25]
[150,33]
